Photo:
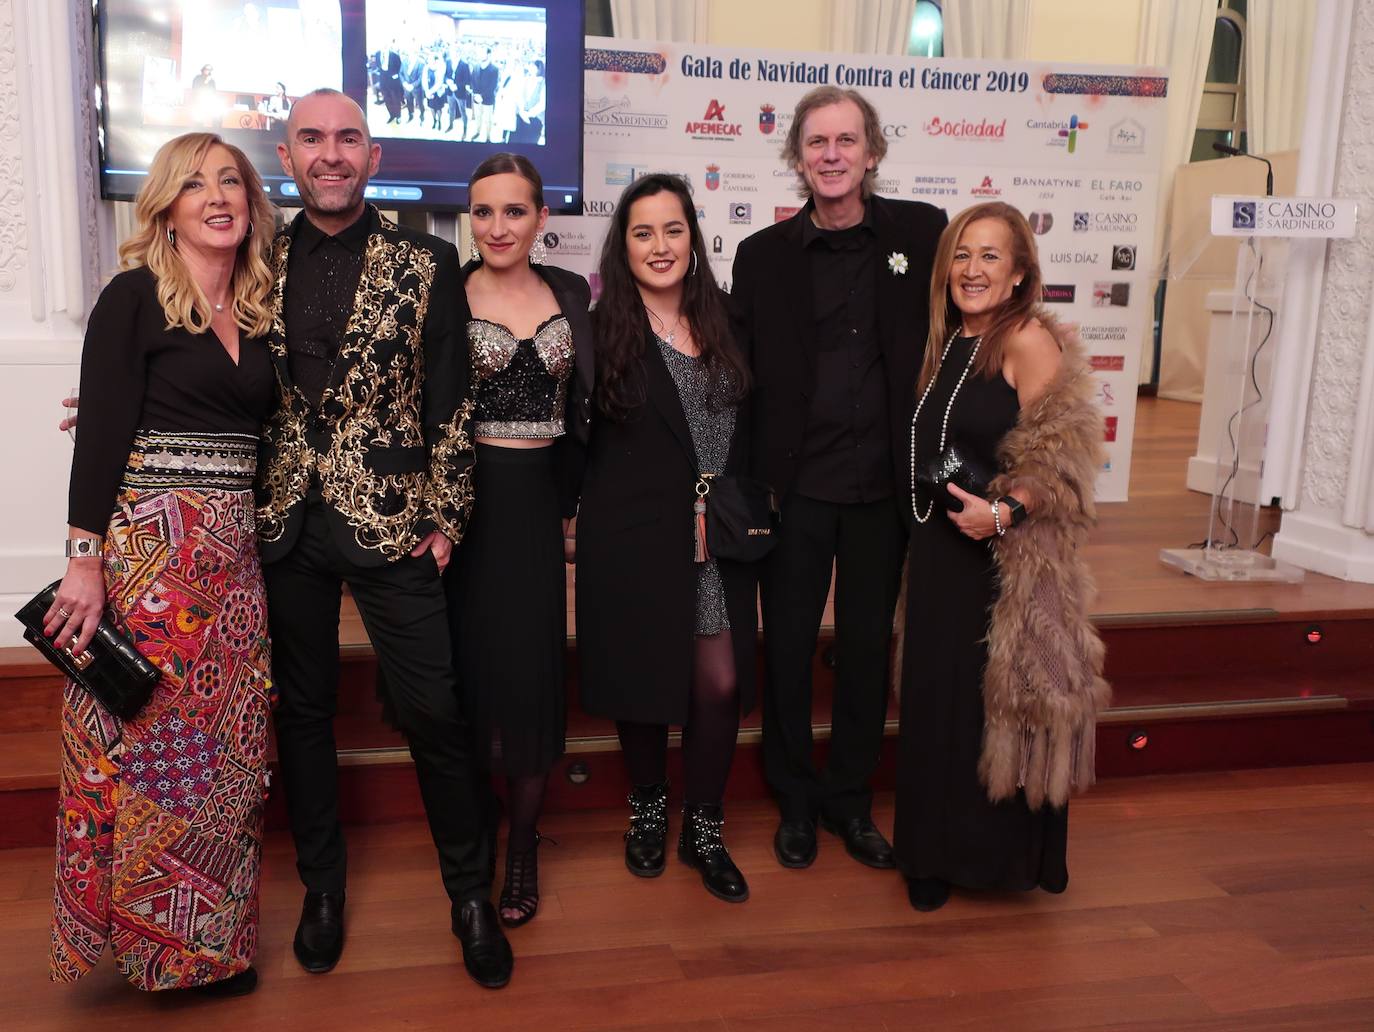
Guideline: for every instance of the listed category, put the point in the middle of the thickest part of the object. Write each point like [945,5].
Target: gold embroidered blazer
[389,441]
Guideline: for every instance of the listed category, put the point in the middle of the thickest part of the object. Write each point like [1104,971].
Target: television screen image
[443,84]
[440,70]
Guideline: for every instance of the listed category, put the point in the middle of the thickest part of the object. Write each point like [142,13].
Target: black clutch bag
[954,466]
[741,517]
[111,668]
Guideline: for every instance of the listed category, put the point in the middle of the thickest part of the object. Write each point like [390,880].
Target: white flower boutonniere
[897,262]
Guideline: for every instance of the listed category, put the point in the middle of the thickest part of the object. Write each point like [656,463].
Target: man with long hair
[834,390]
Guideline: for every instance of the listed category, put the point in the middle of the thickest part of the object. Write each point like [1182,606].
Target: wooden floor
[1199,902]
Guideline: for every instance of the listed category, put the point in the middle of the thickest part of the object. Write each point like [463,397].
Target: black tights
[524,801]
[708,737]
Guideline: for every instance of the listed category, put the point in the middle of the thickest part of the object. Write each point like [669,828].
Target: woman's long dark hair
[621,320]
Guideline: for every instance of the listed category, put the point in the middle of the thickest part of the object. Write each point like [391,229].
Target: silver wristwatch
[84,547]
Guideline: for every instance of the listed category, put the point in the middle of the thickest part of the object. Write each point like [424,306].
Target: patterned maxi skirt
[160,817]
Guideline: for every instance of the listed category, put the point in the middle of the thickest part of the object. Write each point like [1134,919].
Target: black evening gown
[945,826]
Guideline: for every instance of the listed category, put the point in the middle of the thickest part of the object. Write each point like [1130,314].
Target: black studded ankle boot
[700,846]
[648,829]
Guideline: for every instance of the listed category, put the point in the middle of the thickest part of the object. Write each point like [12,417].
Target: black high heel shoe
[648,831]
[700,846]
[521,891]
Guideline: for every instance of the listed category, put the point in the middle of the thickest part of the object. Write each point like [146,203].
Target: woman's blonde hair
[1019,309]
[183,302]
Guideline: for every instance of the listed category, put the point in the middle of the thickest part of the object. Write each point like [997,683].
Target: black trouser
[403,608]
[863,542]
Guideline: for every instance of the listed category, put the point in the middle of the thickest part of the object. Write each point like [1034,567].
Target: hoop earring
[693,270]
[539,253]
[171,237]
[250,230]
[473,253]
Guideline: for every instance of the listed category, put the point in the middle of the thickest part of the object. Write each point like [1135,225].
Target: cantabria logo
[768,119]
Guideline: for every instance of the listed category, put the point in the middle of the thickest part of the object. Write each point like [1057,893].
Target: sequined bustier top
[521,385]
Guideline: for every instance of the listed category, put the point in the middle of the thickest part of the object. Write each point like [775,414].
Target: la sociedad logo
[965,129]
[714,125]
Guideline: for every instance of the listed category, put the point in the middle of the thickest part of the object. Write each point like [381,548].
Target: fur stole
[1043,685]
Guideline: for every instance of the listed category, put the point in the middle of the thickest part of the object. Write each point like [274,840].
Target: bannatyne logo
[713,177]
[768,119]
[713,123]
[963,129]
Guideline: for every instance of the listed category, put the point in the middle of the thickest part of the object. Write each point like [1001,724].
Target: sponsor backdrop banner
[1074,147]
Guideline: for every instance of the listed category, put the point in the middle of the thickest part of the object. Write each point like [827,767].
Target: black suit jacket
[772,322]
[388,443]
[636,578]
[574,297]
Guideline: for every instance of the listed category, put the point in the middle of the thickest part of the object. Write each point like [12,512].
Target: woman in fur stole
[1001,668]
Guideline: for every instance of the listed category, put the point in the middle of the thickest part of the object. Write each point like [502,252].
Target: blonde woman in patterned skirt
[160,823]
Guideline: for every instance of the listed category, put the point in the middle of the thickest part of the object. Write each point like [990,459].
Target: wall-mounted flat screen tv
[443,84]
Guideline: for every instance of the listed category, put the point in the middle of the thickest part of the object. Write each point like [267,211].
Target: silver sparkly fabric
[713,427]
[521,385]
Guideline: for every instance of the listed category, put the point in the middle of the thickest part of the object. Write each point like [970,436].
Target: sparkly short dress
[713,428]
[507,585]
[160,822]
[944,826]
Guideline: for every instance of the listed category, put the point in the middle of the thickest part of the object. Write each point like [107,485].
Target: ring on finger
[64,613]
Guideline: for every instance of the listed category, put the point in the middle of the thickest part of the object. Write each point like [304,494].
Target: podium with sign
[1267,224]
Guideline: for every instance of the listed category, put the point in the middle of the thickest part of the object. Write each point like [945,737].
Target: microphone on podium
[1236,152]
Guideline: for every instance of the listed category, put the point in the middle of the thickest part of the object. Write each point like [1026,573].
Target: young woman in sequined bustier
[665,632]
[530,350]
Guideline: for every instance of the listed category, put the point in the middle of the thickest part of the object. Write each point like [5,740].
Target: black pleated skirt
[508,604]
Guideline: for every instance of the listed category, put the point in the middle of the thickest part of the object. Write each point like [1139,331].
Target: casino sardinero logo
[1243,215]
[618,113]
[713,125]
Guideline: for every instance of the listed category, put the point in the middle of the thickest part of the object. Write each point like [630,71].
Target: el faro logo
[713,123]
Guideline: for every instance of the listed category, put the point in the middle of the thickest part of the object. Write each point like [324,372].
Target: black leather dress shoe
[927,894]
[235,985]
[320,935]
[486,953]
[862,840]
[794,843]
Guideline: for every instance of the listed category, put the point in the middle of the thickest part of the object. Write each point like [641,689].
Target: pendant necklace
[944,423]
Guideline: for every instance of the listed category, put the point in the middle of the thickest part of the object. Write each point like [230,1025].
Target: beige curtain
[870,26]
[666,21]
[1278,51]
[987,28]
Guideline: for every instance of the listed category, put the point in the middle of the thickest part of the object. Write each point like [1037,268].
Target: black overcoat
[773,324]
[636,578]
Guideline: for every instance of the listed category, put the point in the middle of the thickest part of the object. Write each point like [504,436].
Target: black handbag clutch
[111,668]
[953,466]
[742,517]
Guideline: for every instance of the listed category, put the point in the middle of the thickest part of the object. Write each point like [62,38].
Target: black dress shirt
[138,375]
[321,281]
[846,453]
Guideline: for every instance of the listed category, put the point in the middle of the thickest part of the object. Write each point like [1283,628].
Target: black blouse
[138,375]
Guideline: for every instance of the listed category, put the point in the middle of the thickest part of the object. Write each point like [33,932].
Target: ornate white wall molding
[13,235]
[1295,336]
[60,207]
[1329,474]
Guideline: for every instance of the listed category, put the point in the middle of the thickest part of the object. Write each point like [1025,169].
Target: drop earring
[539,253]
[473,253]
[171,237]
[693,270]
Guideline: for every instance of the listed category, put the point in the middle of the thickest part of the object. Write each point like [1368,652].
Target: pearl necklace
[944,423]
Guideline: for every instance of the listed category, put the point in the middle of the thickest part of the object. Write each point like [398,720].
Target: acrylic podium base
[1231,564]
